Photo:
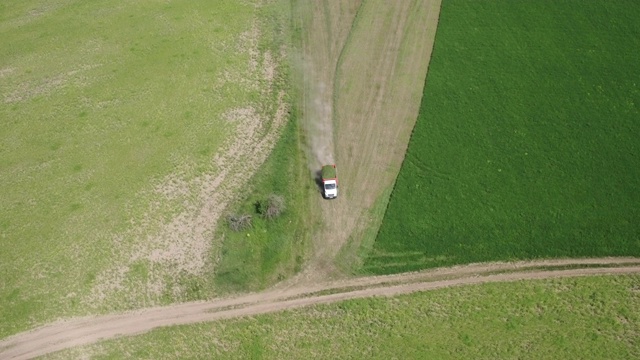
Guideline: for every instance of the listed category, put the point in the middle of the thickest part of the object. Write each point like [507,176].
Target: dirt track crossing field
[82,331]
[365,66]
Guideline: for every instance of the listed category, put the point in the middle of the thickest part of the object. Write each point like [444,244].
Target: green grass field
[581,318]
[271,250]
[527,141]
[111,115]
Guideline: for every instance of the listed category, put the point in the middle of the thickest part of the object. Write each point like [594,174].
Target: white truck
[329,182]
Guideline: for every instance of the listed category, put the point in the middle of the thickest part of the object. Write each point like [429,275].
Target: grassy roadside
[524,146]
[273,250]
[575,318]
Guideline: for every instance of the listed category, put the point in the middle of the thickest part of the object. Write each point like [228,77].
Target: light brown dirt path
[325,26]
[369,102]
[83,331]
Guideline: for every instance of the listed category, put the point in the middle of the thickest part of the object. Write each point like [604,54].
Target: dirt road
[82,331]
[365,66]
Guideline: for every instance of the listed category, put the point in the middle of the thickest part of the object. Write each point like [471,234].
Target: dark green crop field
[528,140]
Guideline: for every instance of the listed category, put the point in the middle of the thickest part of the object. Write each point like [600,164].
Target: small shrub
[260,206]
[272,207]
[240,222]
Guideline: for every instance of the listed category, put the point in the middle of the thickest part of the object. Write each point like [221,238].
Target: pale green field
[574,318]
[111,113]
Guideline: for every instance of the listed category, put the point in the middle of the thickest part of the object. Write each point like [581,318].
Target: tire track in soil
[83,331]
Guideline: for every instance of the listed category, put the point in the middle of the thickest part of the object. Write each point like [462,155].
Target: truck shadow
[318,180]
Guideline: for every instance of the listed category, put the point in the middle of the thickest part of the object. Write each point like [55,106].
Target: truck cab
[330,189]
